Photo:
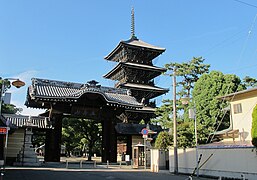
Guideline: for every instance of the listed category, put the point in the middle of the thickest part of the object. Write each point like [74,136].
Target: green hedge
[163,140]
[254,126]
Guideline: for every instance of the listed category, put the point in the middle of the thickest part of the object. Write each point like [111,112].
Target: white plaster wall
[154,160]
[158,160]
[223,162]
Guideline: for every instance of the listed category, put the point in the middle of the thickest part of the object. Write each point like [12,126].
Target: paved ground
[101,173]
[64,174]
[74,170]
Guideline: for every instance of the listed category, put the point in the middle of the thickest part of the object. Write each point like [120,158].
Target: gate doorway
[82,135]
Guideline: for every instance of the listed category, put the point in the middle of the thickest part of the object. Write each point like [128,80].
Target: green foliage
[190,73]
[70,137]
[39,137]
[205,88]
[208,107]
[185,134]
[163,115]
[7,108]
[7,84]
[10,109]
[249,81]
[163,140]
[142,121]
[254,126]
[81,134]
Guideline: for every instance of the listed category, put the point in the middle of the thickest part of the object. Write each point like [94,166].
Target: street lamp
[192,115]
[4,84]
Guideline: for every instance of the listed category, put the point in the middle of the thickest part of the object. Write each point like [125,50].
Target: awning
[228,133]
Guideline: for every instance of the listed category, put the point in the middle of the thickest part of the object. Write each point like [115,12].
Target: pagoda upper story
[135,51]
[135,70]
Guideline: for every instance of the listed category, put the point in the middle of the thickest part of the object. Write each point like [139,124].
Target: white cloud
[28,111]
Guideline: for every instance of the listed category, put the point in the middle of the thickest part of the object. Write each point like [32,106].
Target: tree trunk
[90,152]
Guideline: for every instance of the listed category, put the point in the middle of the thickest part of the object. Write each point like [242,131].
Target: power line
[246,40]
[239,60]
[248,4]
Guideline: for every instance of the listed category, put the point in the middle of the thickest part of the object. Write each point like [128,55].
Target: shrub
[254,126]
[163,140]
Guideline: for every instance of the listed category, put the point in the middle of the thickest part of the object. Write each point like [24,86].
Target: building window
[237,108]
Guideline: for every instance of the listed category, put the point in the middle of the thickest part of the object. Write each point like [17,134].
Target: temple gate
[90,100]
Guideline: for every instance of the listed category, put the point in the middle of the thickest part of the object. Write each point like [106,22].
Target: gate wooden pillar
[129,146]
[109,137]
[53,140]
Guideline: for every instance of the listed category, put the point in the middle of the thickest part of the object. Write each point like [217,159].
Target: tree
[254,126]
[185,134]
[7,108]
[208,108]
[70,137]
[10,109]
[78,132]
[163,140]
[249,82]
[7,84]
[163,114]
[190,73]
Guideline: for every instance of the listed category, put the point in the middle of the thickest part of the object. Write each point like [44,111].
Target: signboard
[144,131]
[145,136]
[87,112]
[3,130]
[127,157]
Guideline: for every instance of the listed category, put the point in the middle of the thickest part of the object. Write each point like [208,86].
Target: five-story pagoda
[135,71]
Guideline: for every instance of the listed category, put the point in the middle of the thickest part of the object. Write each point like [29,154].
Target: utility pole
[196,143]
[175,123]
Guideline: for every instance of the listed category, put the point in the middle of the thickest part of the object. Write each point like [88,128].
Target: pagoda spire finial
[133,36]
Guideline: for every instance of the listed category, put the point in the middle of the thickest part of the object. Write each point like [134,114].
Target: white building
[242,104]
[234,156]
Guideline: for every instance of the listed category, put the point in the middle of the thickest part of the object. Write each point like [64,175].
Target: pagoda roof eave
[134,65]
[111,72]
[108,57]
[134,43]
[139,43]
[143,87]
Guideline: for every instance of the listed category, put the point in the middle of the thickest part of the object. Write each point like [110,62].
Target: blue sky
[67,40]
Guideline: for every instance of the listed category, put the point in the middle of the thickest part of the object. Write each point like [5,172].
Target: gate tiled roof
[45,90]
